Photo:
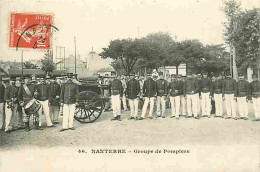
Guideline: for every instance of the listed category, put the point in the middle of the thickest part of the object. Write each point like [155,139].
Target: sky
[97,22]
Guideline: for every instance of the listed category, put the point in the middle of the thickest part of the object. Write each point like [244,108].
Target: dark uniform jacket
[8,93]
[255,89]
[161,87]
[69,91]
[54,91]
[189,85]
[2,92]
[205,85]
[42,92]
[116,88]
[217,87]
[229,86]
[132,88]
[176,88]
[243,89]
[23,96]
[149,88]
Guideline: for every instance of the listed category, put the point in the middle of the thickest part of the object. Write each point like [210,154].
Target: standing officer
[132,92]
[26,93]
[54,100]
[190,91]
[68,99]
[217,89]
[42,90]
[183,100]
[2,105]
[149,92]
[116,92]
[255,94]
[161,89]
[229,95]
[17,109]
[123,80]
[9,110]
[175,90]
[205,91]
[242,96]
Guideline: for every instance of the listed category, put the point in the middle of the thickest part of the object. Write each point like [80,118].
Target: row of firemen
[17,94]
[189,96]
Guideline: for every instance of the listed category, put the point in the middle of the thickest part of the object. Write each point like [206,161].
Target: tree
[47,64]
[29,65]
[242,34]
[125,52]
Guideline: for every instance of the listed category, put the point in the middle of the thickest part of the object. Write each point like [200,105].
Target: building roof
[36,72]
[107,69]
[2,72]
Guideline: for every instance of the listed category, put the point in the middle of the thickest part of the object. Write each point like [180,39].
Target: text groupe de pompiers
[143,151]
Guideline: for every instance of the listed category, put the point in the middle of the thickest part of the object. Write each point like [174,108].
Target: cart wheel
[90,107]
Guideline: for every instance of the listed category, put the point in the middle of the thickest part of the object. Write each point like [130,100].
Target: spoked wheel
[90,107]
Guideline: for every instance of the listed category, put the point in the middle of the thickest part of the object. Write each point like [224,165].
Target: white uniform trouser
[218,104]
[230,105]
[133,103]
[45,108]
[205,104]
[116,105]
[2,115]
[54,113]
[148,100]
[124,102]
[192,104]
[242,107]
[256,106]
[9,118]
[161,105]
[68,115]
[183,105]
[175,105]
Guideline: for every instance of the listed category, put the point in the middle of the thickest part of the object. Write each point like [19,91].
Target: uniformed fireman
[217,89]
[68,100]
[205,95]
[116,92]
[54,100]
[255,95]
[243,96]
[149,93]
[123,80]
[183,100]
[175,91]
[190,91]
[26,93]
[132,93]
[9,115]
[161,89]
[229,96]
[42,94]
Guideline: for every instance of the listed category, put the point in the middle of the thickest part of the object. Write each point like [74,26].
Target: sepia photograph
[129,85]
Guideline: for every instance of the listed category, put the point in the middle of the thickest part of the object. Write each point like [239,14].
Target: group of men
[16,95]
[191,96]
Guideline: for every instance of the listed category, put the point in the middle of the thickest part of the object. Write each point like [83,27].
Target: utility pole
[75,55]
[22,64]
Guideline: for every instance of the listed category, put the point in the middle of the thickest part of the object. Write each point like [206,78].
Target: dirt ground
[149,132]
